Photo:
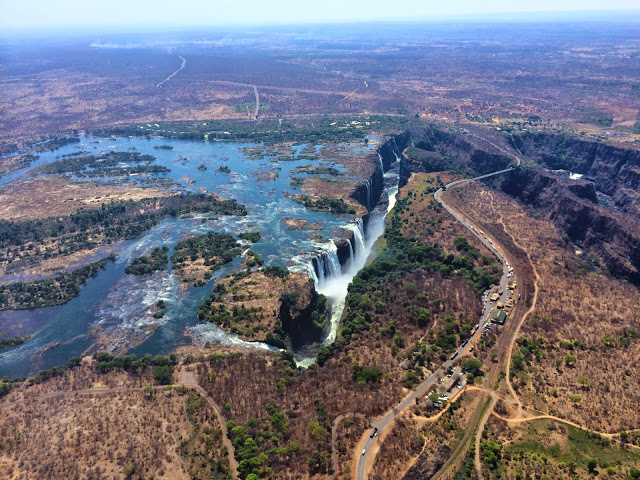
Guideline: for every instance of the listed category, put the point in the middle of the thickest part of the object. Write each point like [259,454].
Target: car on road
[454,356]
[364,450]
[374,433]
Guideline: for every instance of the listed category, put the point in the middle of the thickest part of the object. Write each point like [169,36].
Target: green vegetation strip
[401,256]
[13,341]
[321,129]
[77,164]
[156,260]
[48,292]
[111,222]
[324,204]
[216,249]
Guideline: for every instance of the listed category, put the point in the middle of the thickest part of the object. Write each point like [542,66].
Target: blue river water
[113,310]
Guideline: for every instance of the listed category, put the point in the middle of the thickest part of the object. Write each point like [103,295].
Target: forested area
[323,204]
[211,251]
[51,291]
[34,240]
[156,260]
[77,164]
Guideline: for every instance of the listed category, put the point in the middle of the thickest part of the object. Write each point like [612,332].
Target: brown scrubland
[109,428]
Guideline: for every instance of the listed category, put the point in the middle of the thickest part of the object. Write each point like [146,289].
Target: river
[112,311]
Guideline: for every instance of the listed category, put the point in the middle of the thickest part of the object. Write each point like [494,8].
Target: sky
[36,14]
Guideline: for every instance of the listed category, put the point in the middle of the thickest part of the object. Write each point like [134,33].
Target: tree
[569,360]
[162,375]
[318,432]
[492,452]
[592,464]
[472,366]
[316,461]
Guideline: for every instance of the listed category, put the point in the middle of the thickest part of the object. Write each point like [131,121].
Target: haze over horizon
[41,14]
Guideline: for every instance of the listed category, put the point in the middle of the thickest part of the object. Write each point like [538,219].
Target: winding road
[423,388]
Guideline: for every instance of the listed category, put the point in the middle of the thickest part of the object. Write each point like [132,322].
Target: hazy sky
[61,13]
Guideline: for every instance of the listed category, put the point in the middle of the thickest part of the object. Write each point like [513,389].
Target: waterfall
[395,147]
[368,195]
[332,261]
[357,244]
[381,164]
[332,279]
[358,236]
[323,266]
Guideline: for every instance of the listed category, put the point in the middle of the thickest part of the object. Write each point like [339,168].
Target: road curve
[429,382]
[334,438]
[188,379]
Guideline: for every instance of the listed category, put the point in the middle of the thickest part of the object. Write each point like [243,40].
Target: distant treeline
[48,292]
[123,171]
[318,130]
[52,144]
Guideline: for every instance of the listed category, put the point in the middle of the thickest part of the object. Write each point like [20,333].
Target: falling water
[334,286]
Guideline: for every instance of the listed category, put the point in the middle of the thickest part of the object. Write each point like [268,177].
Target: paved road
[184,63]
[425,386]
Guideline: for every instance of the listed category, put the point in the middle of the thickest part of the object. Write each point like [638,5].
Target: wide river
[112,310]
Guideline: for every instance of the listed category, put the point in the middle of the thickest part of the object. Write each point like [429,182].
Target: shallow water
[112,311]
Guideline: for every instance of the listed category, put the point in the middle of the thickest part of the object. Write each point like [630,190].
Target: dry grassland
[588,370]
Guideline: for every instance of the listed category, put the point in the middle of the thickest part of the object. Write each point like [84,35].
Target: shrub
[162,375]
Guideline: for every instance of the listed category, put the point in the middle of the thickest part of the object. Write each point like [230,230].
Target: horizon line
[631,15]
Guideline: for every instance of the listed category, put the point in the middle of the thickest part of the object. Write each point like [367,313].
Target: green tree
[316,461]
[491,452]
[592,464]
[162,375]
[318,432]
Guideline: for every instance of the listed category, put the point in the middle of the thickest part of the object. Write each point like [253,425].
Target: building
[499,317]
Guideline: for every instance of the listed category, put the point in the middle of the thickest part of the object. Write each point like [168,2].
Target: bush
[162,375]
[363,375]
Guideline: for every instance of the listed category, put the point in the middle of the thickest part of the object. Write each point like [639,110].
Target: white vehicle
[364,451]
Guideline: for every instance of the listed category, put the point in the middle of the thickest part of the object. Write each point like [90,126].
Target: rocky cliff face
[614,233]
[615,171]
[572,206]
[281,308]
[432,149]
[304,316]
